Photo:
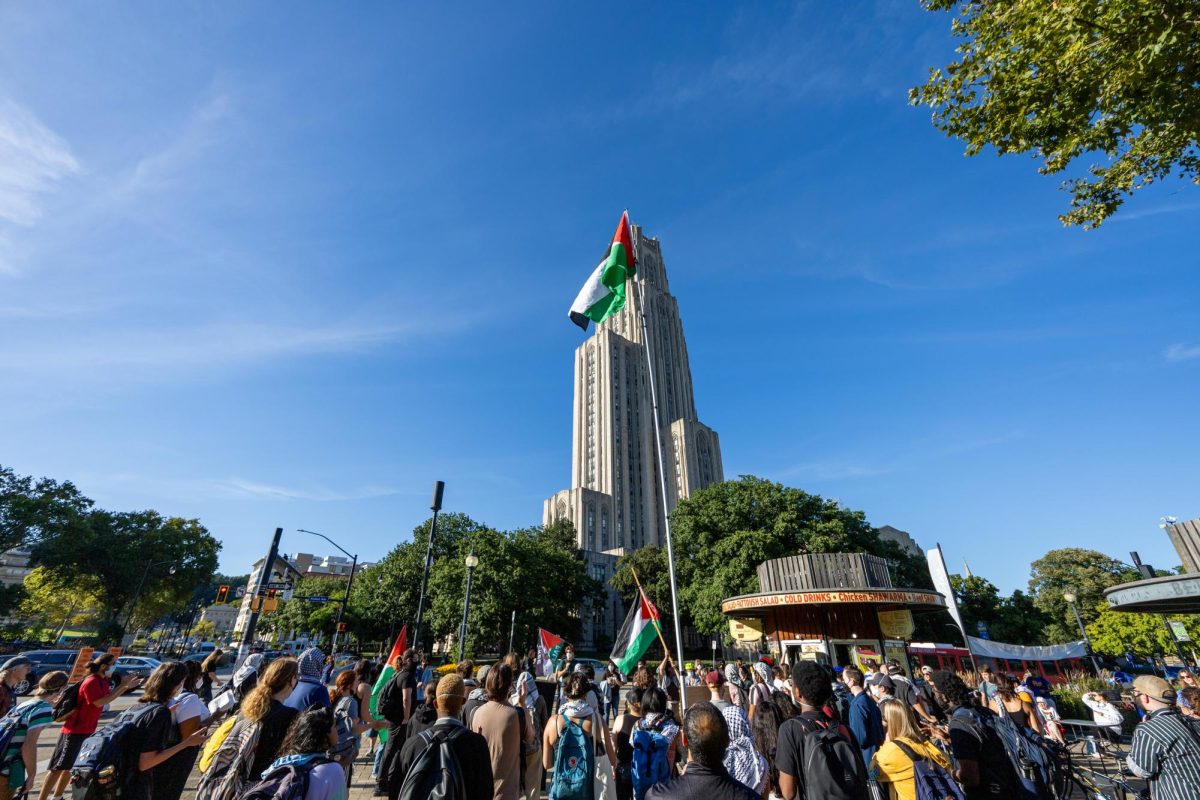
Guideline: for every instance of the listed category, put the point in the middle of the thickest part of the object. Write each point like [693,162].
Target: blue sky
[285,265]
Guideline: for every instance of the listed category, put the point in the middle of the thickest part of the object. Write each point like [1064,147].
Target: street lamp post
[472,562]
[349,584]
[142,585]
[435,507]
[1070,598]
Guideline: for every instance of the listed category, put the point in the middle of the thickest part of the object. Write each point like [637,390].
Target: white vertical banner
[941,582]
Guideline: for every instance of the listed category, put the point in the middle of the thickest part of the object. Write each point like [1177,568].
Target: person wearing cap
[469,748]
[715,681]
[882,688]
[1108,718]
[864,717]
[12,672]
[1166,746]
[18,762]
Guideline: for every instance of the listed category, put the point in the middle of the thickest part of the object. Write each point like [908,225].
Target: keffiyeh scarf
[311,662]
[744,762]
[576,709]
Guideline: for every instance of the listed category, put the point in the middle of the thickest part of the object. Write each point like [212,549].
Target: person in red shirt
[94,694]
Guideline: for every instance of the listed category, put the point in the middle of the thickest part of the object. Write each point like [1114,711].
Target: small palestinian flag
[550,650]
[637,634]
[604,293]
[385,675]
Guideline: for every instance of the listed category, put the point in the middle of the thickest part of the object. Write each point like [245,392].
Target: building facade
[222,616]
[615,501]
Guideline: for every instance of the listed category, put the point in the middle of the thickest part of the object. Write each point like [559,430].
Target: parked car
[140,666]
[45,661]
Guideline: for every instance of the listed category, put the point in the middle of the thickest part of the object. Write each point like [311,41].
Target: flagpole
[662,470]
[657,627]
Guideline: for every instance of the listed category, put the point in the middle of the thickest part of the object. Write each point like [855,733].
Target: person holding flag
[377,704]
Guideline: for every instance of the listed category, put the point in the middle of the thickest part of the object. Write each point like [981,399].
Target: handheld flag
[550,649]
[604,292]
[385,675]
[637,634]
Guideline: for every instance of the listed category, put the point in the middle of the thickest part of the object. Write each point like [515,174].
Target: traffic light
[343,627]
[223,593]
[271,603]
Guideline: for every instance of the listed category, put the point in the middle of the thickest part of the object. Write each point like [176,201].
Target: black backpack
[391,701]
[832,764]
[104,764]
[996,773]
[436,774]
[67,704]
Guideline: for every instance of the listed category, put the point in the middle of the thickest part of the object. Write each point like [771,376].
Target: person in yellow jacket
[891,765]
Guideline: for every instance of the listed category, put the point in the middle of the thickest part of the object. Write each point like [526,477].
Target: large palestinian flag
[385,675]
[604,293]
[638,632]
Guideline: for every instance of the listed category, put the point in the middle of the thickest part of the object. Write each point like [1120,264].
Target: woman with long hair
[208,675]
[188,713]
[500,724]
[252,744]
[153,728]
[626,722]
[785,705]
[905,745]
[760,689]
[764,729]
[1006,700]
[345,703]
[308,740]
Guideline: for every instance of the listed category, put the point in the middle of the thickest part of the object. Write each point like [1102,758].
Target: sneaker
[379,792]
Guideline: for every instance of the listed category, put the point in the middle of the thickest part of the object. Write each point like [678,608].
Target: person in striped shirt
[1166,745]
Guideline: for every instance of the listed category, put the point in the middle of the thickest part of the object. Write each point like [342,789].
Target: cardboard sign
[79,671]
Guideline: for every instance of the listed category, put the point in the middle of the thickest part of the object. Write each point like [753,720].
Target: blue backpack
[574,764]
[650,764]
[932,781]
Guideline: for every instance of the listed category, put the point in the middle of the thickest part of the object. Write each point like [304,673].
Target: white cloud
[316,494]
[1182,352]
[33,159]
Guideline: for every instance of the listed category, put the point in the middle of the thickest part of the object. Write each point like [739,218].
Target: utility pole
[260,593]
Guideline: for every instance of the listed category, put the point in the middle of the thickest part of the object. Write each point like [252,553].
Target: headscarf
[744,763]
[311,663]
[732,676]
[763,671]
[531,690]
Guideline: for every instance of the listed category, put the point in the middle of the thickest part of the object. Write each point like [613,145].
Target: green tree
[650,563]
[32,510]
[1020,620]
[1115,633]
[108,552]
[724,531]
[1014,619]
[1086,572]
[53,604]
[1117,81]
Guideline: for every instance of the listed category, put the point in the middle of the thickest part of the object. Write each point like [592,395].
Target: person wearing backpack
[621,733]
[303,771]
[705,776]
[908,752]
[863,716]
[981,764]
[154,738]
[505,728]
[22,727]
[655,742]
[253,738]
[818,758]
[568,746]
[417,773]
[349,722]
[188,713]
[91,696]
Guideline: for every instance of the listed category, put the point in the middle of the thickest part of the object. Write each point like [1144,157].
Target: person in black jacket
[470,749]
[705,777]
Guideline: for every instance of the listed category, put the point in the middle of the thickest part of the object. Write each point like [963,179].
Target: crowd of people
[493,732]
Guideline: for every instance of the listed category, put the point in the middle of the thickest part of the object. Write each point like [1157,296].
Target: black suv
[45,661]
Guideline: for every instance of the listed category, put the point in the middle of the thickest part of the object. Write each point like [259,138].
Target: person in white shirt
[1107,716]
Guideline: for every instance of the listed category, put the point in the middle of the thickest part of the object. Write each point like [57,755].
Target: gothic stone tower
[616,503]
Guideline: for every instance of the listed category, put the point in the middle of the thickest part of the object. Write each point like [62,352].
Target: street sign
[241,591]
[279,585]
[1180,631]
[316,598]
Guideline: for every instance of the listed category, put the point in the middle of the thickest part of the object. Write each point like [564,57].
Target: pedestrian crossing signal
[343,627]
[223,593]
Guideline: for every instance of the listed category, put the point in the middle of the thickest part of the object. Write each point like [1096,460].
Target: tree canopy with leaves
[724,531]
[1116,633]
[1085,572]
[536,571]
[1013,619]
[1113,82]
